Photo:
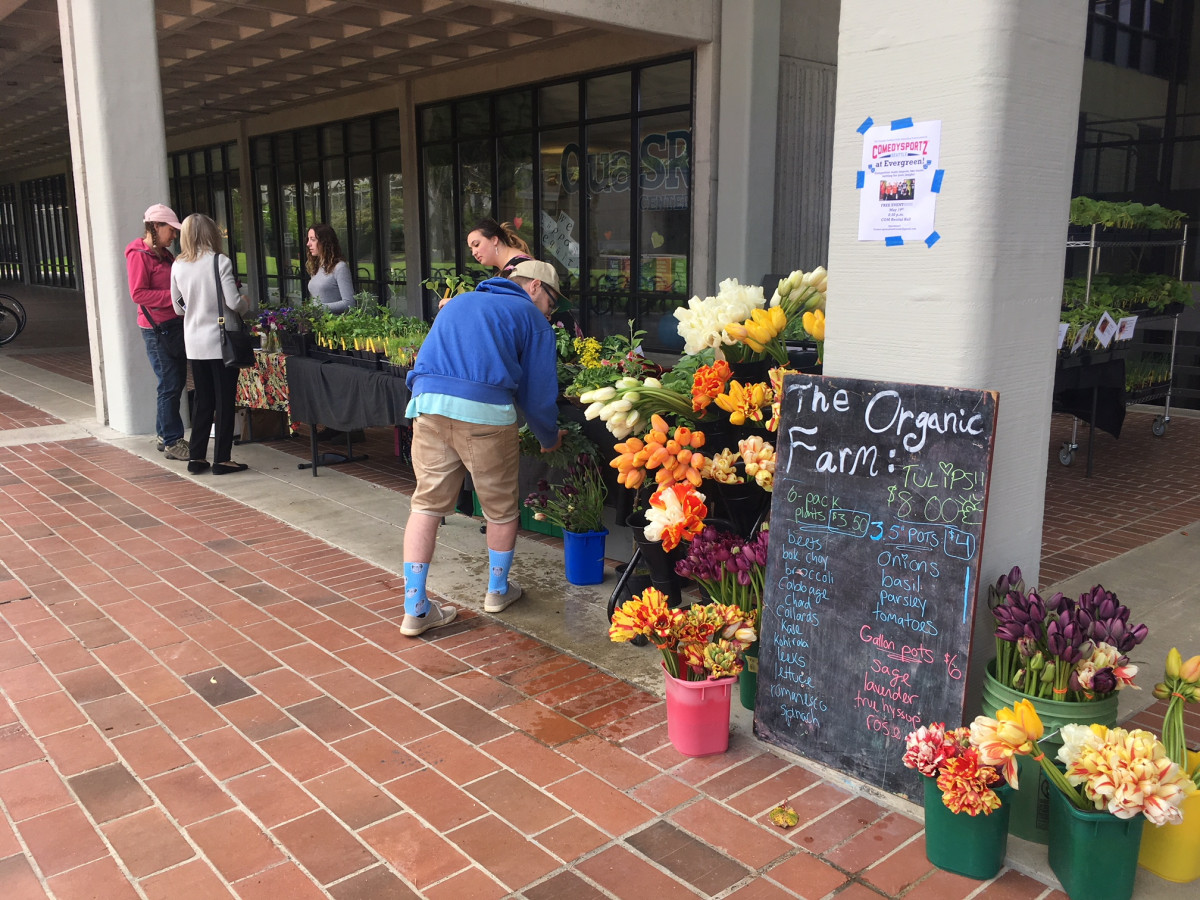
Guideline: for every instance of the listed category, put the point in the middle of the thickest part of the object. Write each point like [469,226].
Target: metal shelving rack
[1161,391]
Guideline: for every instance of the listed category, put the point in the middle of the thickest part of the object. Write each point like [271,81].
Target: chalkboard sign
[876,530]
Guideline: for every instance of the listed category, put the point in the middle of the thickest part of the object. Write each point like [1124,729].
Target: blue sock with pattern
[499,561]
[416,603]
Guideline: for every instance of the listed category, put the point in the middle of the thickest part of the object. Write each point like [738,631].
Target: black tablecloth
[1080,383]
[343,396]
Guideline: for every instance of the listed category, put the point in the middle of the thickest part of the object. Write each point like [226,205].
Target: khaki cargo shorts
[444,450]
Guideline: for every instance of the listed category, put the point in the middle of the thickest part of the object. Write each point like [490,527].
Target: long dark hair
[490,228]
[327,246]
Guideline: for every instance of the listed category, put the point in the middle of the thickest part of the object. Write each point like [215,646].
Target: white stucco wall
[114,104]
[979,309]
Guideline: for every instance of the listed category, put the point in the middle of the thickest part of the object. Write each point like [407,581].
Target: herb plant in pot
[576,505]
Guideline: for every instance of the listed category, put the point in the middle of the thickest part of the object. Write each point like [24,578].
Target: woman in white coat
[203,292]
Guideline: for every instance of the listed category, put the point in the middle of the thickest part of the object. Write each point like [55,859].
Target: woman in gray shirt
[329,276]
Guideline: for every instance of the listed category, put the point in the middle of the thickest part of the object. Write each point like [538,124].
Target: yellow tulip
[1190,670]
[1174,662]
[1024,715]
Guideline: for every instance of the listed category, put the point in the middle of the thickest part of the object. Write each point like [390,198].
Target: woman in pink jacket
[148,262]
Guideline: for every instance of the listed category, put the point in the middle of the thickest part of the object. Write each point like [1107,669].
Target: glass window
[440,240]
[436,123]
[387,131]
[514,112]
[285,149]
[198,167]
[215,163]
[608,171]
[474,117]
[332,143]
[601,193]
[260,149]
[233,156]
[307,141]
[391,198]
[364,263]
[666,85]
[335,196]
[561,170]
[515,188]
[608,95]
[360,136]
[558,103]
[664,222]
[475,179]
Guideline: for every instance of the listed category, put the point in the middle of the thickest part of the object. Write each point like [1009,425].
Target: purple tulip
[1104,681]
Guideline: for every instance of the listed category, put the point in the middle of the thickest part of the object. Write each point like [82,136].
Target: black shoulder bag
[169,335]
[237,344]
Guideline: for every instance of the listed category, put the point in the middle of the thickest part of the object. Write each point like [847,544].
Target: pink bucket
[698,715]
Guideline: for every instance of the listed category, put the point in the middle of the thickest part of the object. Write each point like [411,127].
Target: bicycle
[12,318]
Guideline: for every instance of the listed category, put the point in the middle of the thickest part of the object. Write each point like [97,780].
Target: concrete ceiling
[224,59]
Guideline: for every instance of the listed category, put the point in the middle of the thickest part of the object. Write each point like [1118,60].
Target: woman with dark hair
[497,245]
[329,276]
[148,262]
[204,291]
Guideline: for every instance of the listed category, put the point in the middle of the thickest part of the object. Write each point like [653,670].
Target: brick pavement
[198,700]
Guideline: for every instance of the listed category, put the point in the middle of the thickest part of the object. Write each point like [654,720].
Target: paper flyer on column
[897,197]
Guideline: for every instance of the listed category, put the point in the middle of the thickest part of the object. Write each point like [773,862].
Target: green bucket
[1030,817]
[973,846]
[1094,855]
[748,679]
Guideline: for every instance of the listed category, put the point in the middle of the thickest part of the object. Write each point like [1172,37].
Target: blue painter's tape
[860,179]
[901,123]
[867,123]
[937,180]
[933,238]
[894,241]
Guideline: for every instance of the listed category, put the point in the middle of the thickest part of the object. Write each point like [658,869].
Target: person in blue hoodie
[488,353]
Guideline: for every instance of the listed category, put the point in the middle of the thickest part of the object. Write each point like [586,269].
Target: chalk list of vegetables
[876,530]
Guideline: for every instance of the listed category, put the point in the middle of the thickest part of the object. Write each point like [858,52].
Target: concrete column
[980,308]
[745,158]
[119,158]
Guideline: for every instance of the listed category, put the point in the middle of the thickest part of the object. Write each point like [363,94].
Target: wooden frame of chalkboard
[877,522]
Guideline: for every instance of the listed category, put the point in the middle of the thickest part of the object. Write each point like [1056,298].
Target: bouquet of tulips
[1107,769]
[729,567]
[697,644]
[1058,648]
[949,756]
[1181,685]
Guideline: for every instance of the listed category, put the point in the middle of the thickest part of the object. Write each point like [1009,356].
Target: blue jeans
[172,378]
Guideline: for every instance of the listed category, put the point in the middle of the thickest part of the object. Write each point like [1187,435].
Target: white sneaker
[435,617]
[494,601]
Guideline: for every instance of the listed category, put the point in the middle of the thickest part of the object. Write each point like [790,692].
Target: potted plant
[576,505]
[1068,657]
[966,802]
[702,653]
[1111,782]
[1172,851]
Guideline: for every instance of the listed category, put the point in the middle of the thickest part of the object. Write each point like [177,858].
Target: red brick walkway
[201,701]
[198,700]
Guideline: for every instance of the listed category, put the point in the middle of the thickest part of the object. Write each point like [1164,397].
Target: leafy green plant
[593,364]
[1147,372]
[448,284]
[1086,211]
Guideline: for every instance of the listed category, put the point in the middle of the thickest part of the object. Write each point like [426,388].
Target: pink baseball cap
[160,213]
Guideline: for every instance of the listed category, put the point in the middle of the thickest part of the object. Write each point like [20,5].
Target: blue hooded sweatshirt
[492,345]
